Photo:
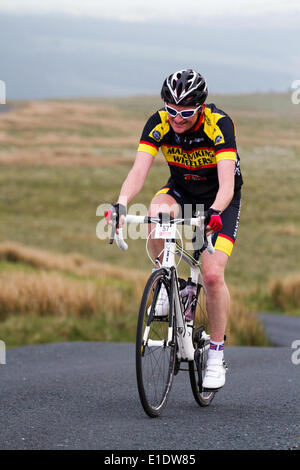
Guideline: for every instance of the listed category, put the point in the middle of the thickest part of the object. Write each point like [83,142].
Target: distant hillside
[60,159]
[72,56]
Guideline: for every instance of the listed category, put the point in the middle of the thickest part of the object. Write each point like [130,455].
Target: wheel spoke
[196,377]
[155,363]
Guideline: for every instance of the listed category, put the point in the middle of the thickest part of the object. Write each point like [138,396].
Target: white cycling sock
[216,350]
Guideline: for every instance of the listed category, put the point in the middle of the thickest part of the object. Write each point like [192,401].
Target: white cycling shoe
[162,303]
[214,375]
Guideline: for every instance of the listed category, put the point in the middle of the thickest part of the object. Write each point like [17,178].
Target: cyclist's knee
[214,278]
[163,203]
[213,270]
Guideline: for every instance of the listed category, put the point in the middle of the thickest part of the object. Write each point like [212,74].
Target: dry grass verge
[52,294]
[73,263]
[244,327]
[103,293]
[63,300]
[285,293]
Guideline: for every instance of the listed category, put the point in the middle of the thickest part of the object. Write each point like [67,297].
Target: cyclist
[198,143]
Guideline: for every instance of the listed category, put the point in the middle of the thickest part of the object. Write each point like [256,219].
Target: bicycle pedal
[207,390]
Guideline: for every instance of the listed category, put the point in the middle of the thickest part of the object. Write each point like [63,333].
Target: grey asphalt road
[281,330]
[83,395]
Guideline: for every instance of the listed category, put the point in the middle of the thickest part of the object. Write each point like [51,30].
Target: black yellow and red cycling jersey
[193,156]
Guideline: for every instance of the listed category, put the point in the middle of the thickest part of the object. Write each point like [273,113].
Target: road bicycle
[171,340]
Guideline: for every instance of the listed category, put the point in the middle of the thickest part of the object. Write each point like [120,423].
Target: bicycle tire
[198,365]
[154,365]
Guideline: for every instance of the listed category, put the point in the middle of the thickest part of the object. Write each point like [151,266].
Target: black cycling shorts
[225,238]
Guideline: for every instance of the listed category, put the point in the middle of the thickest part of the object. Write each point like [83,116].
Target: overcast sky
[161,10]
[62,48]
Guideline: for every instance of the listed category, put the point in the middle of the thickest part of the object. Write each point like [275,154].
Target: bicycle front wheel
[155,358]
[201,345]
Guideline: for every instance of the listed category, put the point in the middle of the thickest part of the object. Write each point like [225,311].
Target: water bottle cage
[190,312]
[193,303]
[188,295]
[185,302]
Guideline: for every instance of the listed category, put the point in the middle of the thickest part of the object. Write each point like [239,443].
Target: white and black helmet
[184,88]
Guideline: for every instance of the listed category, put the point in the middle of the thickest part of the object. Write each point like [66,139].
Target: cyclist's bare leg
[160,203]
[218,298]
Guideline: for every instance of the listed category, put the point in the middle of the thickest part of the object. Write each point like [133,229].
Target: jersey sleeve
[224,139]
[153,134]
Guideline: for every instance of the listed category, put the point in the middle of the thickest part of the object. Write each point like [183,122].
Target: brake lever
[113,218]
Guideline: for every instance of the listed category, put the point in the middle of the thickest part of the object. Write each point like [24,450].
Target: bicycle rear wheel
[155,358]
[201,345]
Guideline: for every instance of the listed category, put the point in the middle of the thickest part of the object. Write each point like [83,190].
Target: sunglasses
[185,114]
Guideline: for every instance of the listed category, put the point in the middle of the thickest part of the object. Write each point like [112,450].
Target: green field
[61,159]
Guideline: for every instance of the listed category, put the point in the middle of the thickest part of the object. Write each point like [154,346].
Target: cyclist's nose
[178,119]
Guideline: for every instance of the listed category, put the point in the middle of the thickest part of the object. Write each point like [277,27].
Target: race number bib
[165,231]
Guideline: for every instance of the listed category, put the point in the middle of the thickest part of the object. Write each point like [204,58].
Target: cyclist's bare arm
[133,183]
[226,184]
[135,178]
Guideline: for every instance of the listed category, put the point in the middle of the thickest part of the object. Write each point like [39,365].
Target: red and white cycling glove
[213,219]
[117,211]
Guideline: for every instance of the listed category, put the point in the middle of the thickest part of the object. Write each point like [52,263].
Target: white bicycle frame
[184,329]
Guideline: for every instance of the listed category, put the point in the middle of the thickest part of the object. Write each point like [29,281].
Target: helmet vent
[185,87]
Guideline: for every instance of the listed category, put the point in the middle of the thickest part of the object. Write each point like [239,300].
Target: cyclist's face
[180,124]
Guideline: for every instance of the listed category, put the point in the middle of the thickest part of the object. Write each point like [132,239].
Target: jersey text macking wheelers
[193,155]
